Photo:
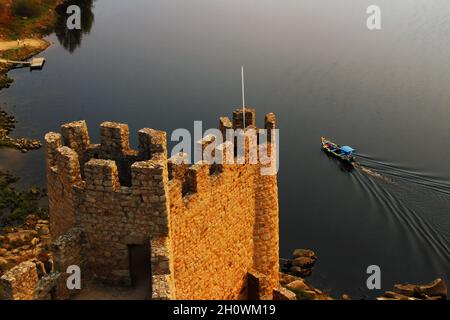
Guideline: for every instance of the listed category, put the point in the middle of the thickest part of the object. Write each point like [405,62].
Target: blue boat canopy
[347,149]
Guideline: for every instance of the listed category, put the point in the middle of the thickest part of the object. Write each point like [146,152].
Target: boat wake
[418,201]
[371,172]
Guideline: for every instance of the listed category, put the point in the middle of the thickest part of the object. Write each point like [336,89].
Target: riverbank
[23,24]
[17,50]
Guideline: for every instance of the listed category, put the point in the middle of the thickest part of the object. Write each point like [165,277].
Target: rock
[298,285]
[21,237]
[310,295]
[35,241]
[31,220]
[3,251]
[283,294]
[435,288]
[297,271]
[43,230]
[306,253]
[303,262]
[4,264]
[287,278]
[396,296]
[285,264]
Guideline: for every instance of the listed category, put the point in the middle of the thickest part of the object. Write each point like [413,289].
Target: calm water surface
[164,64]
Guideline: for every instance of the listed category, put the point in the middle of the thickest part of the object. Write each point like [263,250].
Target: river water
[164,64]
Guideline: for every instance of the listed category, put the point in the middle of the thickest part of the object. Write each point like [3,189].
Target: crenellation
[225,152]
[238,118]
[152,142]
[206,141]
[101,175]
[53,142]
[270,121]
[68,165]
[148,174]
[178,165]
[197,179]
[76,136]
[224,125]
[114,139]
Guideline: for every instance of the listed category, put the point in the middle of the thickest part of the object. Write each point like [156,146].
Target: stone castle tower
[210,231]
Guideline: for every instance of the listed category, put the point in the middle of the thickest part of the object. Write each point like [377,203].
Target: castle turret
[207,229]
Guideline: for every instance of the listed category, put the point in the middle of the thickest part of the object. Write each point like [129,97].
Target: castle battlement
[202,224]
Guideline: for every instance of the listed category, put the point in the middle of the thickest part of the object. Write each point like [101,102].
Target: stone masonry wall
[224,224]
[19,283]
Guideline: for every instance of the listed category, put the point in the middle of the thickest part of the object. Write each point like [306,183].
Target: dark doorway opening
[140,268]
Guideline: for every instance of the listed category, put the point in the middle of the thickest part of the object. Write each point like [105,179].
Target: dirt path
[34,43]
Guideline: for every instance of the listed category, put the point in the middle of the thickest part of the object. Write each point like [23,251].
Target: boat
[344,153]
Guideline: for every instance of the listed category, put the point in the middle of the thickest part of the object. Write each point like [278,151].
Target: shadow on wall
[71,39]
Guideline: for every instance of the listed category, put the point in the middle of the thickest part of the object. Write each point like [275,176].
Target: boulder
[437,288]
[306,253]
[298,285]
[285,264]
[283,294]
[298,271]
[396,296]
[287,278]
[303,262]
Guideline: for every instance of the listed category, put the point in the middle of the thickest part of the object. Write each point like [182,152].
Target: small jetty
[34,64]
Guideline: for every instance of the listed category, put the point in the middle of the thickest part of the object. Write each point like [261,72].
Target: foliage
[16,205]
[5,81]
[26,8]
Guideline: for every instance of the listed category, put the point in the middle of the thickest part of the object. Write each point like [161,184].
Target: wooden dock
[35,63]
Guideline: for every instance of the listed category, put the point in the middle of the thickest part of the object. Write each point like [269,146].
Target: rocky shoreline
[293,273]
[7,124]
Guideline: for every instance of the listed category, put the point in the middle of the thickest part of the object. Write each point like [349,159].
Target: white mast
[243,95]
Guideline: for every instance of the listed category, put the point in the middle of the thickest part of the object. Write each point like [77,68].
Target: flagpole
[243,95]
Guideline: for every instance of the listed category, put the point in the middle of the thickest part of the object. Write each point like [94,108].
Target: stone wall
[162,269]
[19,283]
[67,249]
[224,224]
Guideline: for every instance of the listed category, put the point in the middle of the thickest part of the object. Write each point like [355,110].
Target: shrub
[26,8]
[16,205]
